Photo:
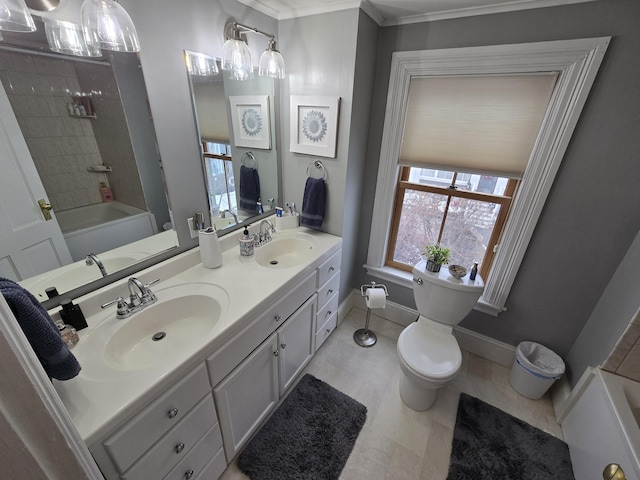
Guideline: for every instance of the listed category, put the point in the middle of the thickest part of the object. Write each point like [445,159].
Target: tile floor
[396,442]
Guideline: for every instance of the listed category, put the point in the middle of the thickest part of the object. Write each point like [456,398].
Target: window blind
[486,124]
[211,108]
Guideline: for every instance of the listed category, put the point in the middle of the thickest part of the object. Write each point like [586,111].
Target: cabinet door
[295,343]
[247,395]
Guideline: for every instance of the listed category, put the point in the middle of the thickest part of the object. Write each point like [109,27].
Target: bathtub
[602,425]
[103,226]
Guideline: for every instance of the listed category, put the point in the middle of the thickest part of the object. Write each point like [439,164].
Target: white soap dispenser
[210,251]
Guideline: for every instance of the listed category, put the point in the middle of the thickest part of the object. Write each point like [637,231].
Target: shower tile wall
[624,359]
[62,147]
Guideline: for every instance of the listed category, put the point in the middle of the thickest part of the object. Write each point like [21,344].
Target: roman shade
[485,124]
[211,108]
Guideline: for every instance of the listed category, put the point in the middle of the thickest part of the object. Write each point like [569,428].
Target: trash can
[534,370]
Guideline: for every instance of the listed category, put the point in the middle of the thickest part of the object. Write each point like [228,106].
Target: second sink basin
[286,252]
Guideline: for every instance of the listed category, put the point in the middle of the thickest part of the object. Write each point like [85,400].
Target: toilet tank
[442,297]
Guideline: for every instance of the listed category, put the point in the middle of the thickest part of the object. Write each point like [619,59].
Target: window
[220,181]
[575,62]
[464,212]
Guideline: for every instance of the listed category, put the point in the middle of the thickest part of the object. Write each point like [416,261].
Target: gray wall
[590,218]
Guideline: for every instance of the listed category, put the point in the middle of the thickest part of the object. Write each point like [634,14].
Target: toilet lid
[429,352]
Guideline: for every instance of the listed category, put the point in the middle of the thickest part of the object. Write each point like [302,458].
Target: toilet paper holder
[363,336]
[364,288]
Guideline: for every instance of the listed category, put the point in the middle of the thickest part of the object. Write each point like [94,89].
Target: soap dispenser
[246,244]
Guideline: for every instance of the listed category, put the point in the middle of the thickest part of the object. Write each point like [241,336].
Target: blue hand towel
[249,189]
[41,331]
[313,203]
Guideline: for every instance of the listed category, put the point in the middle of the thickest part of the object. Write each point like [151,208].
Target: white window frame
[576,62]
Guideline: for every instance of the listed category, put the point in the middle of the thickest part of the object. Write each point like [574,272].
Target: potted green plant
[436,256]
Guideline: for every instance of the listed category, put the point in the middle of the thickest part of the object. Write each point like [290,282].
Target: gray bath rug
[309,437]
[493,445]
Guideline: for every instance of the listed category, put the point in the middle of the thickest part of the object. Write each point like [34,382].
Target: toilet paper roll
[375,297]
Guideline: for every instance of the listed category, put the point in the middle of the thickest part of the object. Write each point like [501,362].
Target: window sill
[405,279]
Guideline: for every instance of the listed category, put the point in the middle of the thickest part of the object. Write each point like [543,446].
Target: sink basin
[285,252]
[170,330]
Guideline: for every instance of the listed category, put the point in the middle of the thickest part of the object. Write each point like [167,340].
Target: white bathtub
[103,226]
[602,426]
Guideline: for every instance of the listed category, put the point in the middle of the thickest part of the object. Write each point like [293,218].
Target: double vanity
[175,390]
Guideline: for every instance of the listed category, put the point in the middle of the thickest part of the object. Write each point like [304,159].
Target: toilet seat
[429,352]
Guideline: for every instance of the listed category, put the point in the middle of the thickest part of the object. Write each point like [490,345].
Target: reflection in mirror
[78,135]
[240,158]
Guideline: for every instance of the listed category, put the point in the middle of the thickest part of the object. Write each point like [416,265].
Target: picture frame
[314,125]
[251,121]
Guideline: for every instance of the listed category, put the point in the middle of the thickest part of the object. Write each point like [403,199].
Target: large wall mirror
[78,135]
[236,122]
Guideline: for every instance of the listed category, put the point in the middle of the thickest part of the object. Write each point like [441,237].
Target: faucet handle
[149,297]
[122,310]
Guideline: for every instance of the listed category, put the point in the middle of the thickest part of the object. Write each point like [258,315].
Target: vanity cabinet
[328,285]
[167,436]
[249,393]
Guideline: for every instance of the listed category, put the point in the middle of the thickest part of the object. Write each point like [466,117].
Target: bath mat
[491,444]
[309,437]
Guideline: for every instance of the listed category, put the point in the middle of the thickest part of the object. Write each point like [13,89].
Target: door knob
[613,471]
[46,208]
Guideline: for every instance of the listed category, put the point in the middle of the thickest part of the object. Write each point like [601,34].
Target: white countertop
[101,397]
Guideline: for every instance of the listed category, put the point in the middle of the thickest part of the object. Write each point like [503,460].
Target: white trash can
[534,370]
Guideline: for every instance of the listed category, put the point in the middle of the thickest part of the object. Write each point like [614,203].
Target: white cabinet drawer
[325,330]
[327,290]
[329,268]
[330,308]
[176,444]
[199,462]
[224,360]
[132,440]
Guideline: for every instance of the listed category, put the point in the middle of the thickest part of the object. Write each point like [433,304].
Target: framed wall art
[314,125]
[250,120]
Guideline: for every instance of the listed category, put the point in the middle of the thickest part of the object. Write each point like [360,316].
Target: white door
[29,245]
[295,343]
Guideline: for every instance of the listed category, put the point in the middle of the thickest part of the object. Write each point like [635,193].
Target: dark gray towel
[41,331]
[313,203]
[249,189]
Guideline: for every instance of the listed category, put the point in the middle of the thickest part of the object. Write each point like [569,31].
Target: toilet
[428,353]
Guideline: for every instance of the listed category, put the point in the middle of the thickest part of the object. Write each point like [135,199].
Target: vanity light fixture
[107,24]
[236,56]
[200,65]
[15,16]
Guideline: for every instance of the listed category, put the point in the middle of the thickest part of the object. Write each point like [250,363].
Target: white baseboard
[392,312]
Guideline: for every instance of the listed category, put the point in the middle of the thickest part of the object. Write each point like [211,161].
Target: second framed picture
[314,125]
[250,121]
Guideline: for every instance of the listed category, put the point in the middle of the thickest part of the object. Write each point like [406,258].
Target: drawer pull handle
[277,318]
[328,330]
[329,312]
[331,269]
[276,353]
[188,474]
[283,345]
[179,447]
[172,413]
[330,291]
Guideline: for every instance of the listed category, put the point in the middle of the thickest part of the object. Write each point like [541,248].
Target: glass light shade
[67,38]
[201,65]
[271,64]
[15,16]
[106,24]
[236,57]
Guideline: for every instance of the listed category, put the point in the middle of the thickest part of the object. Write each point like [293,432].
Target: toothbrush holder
[288,221]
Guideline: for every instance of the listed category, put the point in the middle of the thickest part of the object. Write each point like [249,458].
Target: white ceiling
[396,12]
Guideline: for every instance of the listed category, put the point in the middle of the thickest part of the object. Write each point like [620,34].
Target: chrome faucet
[137,299]
[93,258]
[265,237]
[235,217]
